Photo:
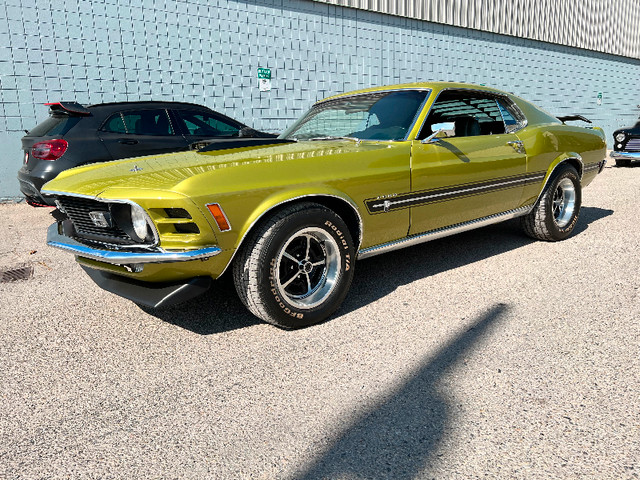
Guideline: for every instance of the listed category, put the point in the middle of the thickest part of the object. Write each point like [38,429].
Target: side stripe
[425,197]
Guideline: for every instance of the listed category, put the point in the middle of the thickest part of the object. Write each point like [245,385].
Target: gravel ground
[484,355]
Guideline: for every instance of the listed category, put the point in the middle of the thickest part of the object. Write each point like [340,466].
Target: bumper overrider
[145,293]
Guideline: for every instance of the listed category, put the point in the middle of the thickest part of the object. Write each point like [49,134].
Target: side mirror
[441,130]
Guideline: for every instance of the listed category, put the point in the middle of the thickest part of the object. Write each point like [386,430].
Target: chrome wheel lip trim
[564,199]
[326,284]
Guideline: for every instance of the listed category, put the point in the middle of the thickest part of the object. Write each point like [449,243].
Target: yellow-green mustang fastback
[360,174]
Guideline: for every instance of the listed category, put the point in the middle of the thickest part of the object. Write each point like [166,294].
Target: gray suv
[75,135]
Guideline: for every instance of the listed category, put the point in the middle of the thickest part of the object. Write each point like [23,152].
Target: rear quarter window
[139,122]
[55,125]
[206,124]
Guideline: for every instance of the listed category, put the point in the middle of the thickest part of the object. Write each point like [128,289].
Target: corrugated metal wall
[608,26]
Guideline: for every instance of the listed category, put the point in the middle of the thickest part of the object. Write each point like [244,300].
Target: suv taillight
[49,149]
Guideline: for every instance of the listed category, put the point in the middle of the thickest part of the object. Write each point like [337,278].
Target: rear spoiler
[72,108]
[568,118]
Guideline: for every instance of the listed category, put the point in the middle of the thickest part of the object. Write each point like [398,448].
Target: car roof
[151,103]
[437,86]
[103,109]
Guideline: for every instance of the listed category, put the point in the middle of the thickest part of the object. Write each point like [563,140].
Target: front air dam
[149,294]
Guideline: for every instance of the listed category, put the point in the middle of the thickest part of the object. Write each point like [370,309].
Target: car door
[133,133]
[197,125]
[478,172]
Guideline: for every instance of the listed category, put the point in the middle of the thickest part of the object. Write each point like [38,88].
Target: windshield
[371,116]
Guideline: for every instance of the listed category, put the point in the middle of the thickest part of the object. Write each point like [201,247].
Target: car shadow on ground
[216,311]
[396,438]
[220,310]
[378,276]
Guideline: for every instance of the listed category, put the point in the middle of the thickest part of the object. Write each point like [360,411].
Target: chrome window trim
[417,115]
[173,130]
[521,117]
[156,237]
[339,97]
[521,121]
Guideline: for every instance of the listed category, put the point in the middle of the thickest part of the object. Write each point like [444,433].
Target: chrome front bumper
[116,257]
[626,155]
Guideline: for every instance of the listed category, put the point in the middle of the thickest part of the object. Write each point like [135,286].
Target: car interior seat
[467,127]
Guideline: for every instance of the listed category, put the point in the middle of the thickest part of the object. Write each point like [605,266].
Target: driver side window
[472,113]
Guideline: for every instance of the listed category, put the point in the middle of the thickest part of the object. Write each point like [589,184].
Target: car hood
[222,169]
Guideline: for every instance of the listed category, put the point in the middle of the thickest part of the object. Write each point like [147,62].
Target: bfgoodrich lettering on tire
[296,268]
[555,215]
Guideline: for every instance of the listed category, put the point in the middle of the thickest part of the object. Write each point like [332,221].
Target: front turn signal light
[219,216]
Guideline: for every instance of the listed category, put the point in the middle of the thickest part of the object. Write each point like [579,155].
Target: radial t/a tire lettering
[295,269]
[556,213]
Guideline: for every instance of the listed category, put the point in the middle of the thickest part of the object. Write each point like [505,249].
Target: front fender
[278,199]
[245,210]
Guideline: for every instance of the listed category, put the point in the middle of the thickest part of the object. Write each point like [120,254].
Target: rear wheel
[556,213]
[296,268]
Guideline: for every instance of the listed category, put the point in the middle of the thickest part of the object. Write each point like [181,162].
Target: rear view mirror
[441,130]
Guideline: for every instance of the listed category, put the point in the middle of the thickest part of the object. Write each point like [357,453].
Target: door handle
[518,146]
[127,141]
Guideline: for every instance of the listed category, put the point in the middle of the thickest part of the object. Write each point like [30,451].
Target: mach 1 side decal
[386,203]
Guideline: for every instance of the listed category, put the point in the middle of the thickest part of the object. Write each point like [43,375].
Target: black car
[75,135]
[626,145]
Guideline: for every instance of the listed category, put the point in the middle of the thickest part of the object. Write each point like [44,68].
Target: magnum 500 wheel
[555,215]
[296,268]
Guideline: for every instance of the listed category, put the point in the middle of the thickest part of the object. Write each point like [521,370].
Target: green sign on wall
[264,79]
[264,73]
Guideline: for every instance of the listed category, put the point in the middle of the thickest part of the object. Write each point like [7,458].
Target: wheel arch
[573,159]
[341,205]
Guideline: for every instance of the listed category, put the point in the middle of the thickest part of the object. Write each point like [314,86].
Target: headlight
[139,222]
[620,137]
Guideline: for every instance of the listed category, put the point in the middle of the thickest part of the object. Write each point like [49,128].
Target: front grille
[77,209]
[633,145]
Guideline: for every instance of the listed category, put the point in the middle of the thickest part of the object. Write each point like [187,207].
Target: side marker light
[219,216]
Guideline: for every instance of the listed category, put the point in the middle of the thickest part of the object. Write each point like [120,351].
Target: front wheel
[556,213]
[296,268]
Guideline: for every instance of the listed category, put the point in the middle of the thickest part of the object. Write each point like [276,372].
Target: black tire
[556,213]
[278,272]
[623,162]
